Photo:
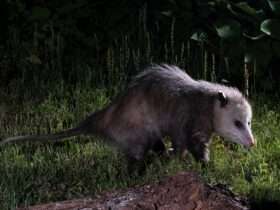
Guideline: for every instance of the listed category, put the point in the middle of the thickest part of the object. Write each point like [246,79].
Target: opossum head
[232,118]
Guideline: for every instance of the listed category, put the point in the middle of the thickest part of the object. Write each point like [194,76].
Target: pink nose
[252,142]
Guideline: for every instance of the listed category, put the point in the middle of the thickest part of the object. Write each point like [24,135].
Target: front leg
[198,145]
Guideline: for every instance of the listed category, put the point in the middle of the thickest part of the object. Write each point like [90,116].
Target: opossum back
[171,78]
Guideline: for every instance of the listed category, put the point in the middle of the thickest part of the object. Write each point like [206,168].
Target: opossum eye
[238,124]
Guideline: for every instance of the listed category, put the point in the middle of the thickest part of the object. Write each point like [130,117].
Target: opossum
[163,101]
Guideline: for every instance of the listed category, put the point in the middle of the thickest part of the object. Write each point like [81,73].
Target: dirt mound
[184,191]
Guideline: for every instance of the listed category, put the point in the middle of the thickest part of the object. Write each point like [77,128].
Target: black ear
[222,98]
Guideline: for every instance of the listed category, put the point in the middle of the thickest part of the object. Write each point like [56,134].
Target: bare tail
[45,138]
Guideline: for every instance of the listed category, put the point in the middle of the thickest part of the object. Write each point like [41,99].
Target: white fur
[224,117]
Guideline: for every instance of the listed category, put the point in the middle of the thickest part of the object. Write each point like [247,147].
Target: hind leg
[199,147]
[135,154]
[200,152]
[135,166]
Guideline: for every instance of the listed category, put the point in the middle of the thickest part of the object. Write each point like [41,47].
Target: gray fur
[161,101]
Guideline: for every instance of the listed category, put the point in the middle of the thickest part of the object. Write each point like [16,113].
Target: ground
[182,191]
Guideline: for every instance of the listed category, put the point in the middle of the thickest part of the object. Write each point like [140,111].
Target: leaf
[271,27]
[40,13]
[199,36]
[245,7]
[253,37]
[275,6]
[244,11]
[228,29]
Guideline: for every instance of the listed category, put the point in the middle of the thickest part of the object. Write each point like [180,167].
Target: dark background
[45,45]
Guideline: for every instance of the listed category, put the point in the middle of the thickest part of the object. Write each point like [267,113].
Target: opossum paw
[206,155]
[204,160]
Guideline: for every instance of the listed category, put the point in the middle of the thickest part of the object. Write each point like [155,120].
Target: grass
[36,173]
[39,173]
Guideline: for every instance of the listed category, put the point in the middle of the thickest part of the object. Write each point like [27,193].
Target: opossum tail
[45,138]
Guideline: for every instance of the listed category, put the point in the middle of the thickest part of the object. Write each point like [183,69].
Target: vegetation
[72,40]
[33,173]
[60,61]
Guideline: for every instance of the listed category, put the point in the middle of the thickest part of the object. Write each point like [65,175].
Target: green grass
[39,173]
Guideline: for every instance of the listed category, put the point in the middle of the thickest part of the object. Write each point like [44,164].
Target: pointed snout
[251,142]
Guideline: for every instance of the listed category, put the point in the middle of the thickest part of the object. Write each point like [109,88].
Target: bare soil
[184,191]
